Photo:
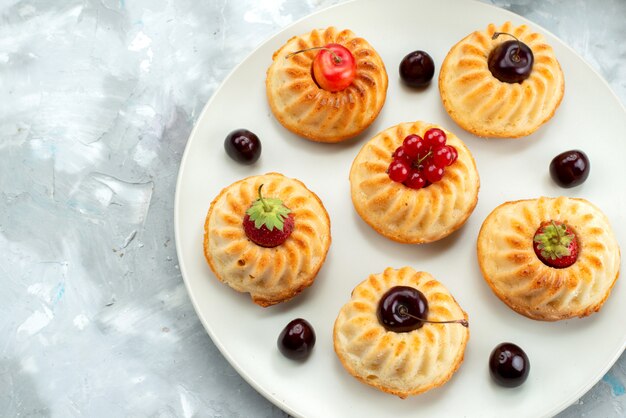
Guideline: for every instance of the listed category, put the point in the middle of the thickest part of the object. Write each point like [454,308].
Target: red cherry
[511,61]
[415,180]
[442,156]
[297,339]
[414,145]
[435,137]
[334,67]
[570,168]
[509,365]
[433,173]
[398,171]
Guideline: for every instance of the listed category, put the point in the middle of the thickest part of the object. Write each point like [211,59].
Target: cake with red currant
[267,235]
[502,82]
[549,258]
[327,85]
[414,183]
[401,332]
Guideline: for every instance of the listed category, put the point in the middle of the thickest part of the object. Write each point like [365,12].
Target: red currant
[435,137]
[415,180]
[442,156]
[413,145]
[433,173]
[454,154]
[400,155]
[398,171]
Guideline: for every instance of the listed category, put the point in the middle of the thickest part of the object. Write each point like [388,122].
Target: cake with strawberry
[327,85]
[401,332]
[549,258]
[414,183]
[502,82]
[267,235]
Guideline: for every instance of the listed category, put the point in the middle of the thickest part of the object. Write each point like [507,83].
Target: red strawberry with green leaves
[268,222]
[555,244]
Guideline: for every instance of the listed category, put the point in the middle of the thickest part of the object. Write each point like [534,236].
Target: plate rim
[183,269]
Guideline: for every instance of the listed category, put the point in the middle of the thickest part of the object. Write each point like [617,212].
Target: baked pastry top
[270,275]
[485,106]
[320,115]
[400,363]
[521,280]
[404,214]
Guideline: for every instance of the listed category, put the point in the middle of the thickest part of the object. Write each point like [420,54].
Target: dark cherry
[401,308]
[510,61]
[509,365]
[570,168]
[417,69]
[297,339]
[243,146]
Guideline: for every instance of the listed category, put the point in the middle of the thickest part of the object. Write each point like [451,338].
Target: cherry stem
[404,311]
[515,56]
[336,57]
[265,205]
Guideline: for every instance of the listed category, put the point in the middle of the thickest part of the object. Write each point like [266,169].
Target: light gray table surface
[97,100]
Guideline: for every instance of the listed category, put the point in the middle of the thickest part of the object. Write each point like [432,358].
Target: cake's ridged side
[270,275]
[324,116]
[485,106]
[520,279]
[404,214]
[400,363]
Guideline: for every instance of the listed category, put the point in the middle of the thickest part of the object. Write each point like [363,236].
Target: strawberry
[555,244]
[268,222]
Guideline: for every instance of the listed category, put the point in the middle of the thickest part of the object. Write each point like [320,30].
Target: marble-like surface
[97,99]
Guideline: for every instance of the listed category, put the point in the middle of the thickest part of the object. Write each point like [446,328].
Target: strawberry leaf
[554,240]
[268,212]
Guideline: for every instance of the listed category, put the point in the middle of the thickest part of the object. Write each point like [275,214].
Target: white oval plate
[567,357]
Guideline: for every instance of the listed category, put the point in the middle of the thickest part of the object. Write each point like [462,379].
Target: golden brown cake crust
[528,286]
[270,275]
[316,114]
[485,106]
[405,363]
[406,215]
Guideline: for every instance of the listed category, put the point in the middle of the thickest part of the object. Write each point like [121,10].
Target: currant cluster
[419,161]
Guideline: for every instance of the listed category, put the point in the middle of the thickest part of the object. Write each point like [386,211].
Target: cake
[574,282]
[270,274]
[402,213]
[308,110]
[408,361]
[481,103]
